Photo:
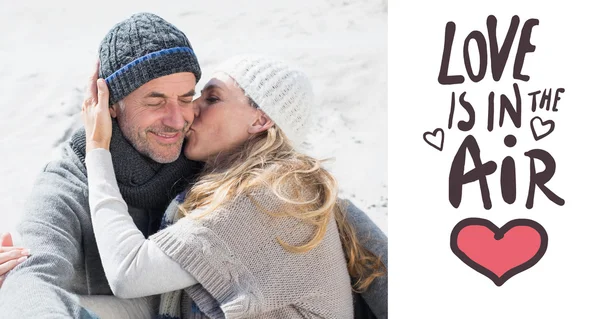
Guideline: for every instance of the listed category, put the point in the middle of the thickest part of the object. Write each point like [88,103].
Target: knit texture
[142,48]
[243,272]
[170,302]
[281,90]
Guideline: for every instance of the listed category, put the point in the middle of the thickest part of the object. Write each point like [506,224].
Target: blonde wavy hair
[269,160]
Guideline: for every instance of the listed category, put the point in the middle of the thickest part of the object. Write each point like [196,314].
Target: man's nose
[174,116]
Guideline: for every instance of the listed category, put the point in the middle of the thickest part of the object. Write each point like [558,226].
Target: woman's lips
[189,132]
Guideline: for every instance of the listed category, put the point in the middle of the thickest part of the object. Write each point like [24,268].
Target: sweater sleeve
[135,267]
[40,287]
[373,239]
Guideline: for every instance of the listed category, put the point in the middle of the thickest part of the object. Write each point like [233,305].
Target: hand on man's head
[95,113]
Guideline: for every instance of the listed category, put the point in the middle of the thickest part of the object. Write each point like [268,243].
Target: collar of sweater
[143,182]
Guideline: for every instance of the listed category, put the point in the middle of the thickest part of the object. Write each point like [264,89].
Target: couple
[256,229]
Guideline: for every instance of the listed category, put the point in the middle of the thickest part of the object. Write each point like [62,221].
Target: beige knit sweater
[234,255]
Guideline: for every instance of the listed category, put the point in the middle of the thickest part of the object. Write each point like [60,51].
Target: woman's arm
[135,267]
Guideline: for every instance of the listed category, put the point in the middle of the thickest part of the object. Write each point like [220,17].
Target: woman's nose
[196,107]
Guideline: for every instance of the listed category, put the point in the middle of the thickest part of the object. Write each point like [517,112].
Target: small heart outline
[434,134]
[535,136]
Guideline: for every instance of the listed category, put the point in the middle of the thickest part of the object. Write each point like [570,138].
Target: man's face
[155,117]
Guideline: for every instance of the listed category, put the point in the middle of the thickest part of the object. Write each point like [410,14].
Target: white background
[47,49]
[428,280]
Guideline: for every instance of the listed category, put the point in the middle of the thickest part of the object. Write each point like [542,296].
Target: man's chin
[164,159]
[167,154]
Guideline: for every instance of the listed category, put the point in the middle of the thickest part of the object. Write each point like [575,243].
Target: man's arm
[39,287]
[373,239]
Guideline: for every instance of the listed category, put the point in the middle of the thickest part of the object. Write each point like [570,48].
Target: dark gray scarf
[143,182]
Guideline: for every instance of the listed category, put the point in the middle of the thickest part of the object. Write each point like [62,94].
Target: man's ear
[112,110]
[261,124]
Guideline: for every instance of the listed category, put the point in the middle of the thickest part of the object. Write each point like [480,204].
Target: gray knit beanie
[142,48]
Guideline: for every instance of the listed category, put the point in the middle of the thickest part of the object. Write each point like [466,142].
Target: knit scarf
[143,182]
[170,302]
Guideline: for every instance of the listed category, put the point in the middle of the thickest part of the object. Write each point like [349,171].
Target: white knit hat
[281,90]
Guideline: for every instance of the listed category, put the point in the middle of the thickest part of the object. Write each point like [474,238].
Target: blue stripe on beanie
[148,56]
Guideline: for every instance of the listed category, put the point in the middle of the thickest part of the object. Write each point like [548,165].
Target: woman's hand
[10,256]
[95,114]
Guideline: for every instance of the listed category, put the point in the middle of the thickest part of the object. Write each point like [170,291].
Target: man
[151,72]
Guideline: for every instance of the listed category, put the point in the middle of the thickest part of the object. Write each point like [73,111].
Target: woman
[260,234]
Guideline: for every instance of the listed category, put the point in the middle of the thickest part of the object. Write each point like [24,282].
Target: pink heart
[499,253]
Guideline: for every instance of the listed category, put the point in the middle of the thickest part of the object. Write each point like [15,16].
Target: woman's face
[224,119]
